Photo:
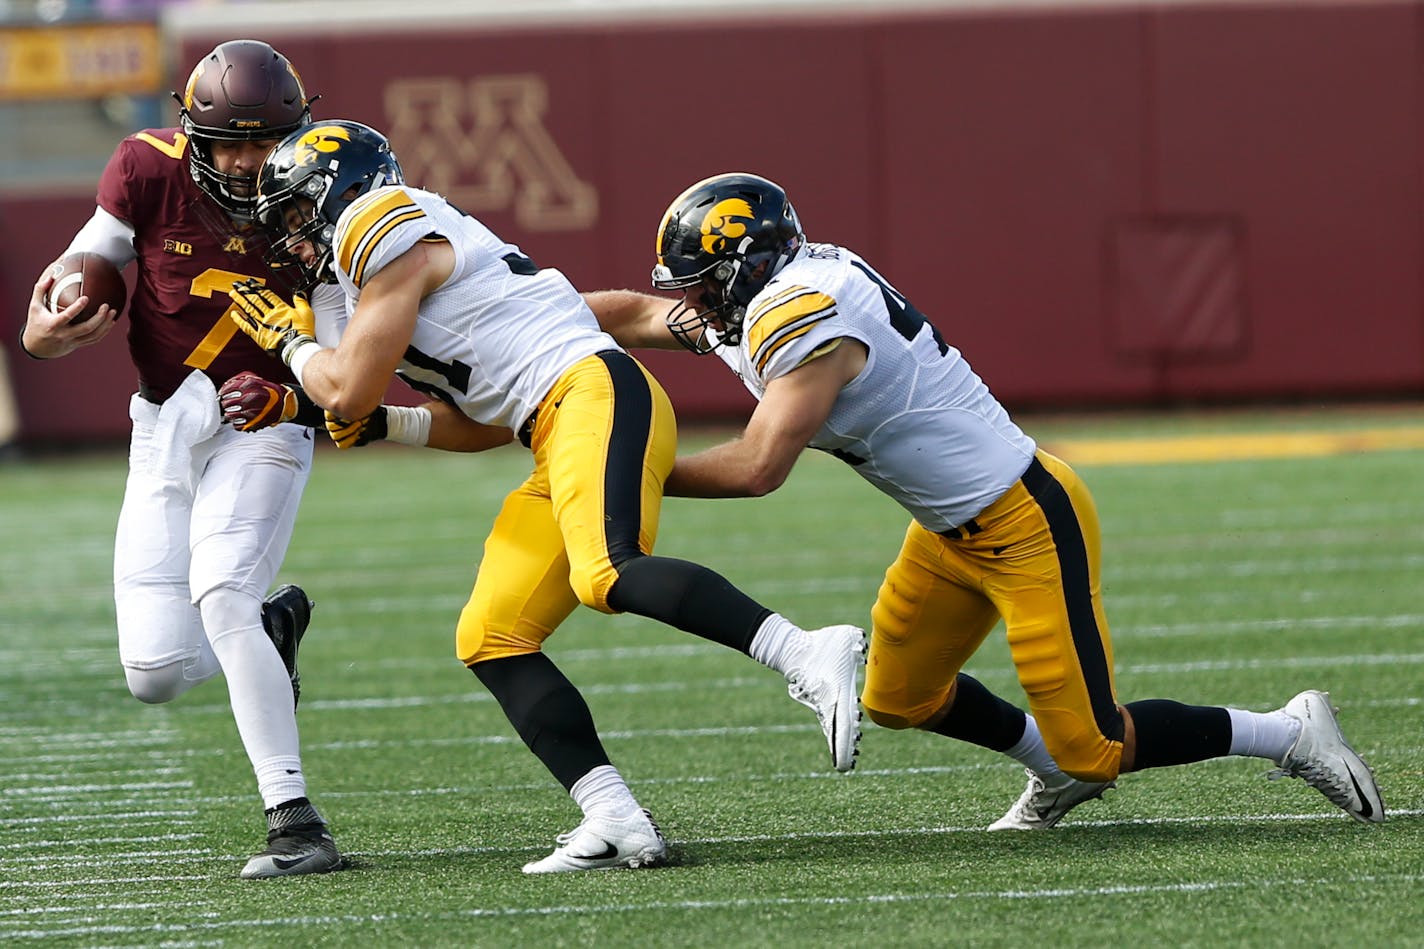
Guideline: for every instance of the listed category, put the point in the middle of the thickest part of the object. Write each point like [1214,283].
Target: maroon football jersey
[189,254]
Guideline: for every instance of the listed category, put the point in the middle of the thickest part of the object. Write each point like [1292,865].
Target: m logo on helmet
[193,78]
[322,140]
[720,224]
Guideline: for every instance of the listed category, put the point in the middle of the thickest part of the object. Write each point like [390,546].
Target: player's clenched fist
[275,325]
[250,402]
[349,434]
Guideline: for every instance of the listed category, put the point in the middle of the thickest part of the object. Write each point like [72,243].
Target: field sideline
[1247,555]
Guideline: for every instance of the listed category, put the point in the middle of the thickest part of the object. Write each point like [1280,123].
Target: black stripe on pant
[1057,509]
[627,446]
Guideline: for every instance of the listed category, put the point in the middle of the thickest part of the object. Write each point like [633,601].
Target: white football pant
[207,516]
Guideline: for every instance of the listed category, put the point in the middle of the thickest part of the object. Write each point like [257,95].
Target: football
[85,274]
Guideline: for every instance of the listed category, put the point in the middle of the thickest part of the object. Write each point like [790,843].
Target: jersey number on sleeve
[204,284]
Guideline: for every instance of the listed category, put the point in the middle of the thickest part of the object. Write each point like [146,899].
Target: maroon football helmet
[244,90]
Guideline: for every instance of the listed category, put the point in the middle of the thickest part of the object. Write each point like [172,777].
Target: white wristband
[301,356]
[408,425]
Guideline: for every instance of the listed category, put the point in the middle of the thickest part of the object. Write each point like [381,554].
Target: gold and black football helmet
[309,179]
[729,235]
[244,90]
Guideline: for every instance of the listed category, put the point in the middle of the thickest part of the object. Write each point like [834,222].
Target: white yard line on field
[64,927]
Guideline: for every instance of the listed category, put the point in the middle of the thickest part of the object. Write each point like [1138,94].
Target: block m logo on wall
[482,144]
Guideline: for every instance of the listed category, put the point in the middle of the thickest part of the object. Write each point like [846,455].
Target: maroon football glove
[250,402]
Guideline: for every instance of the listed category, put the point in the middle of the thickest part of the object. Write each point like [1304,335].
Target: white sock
[280,780]
[603,793]
[259,691]
[1030,752]
[778,642]
[1262,734]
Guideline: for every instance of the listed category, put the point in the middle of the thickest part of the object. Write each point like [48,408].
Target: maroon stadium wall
[1098,207]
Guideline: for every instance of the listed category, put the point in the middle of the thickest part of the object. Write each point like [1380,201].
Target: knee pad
[896,709]
[477,640]
[886,719]
[901,689]
[159,685]
[592,583]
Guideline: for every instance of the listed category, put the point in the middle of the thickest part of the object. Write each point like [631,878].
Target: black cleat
[285,616]
[298,843]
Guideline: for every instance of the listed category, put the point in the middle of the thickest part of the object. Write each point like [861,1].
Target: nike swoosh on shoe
[282,864]
[1366,810]
[609,852]
[835,734]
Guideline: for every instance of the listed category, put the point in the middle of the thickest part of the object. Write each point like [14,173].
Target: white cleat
[823,679]
[1044,803]
[604,843]
[1324,759]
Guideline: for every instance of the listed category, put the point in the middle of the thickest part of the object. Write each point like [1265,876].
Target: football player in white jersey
[841,361]
[504,347]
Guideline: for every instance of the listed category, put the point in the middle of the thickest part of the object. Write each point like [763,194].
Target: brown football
[86,274]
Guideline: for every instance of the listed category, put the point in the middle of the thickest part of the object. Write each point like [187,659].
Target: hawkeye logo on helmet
[322,140]
[720,224]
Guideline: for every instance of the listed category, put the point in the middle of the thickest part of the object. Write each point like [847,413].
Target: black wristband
[309,413]
[375,429]
[22,344]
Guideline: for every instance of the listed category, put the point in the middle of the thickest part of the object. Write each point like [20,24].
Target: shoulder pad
[366,223]
[785,315]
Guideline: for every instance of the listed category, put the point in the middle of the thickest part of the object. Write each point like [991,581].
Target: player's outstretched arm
[791,411]
[636,320]
[432,425]
[48,334]
[453,430]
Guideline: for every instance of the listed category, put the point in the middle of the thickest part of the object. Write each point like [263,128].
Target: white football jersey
[917,422]
[497,334]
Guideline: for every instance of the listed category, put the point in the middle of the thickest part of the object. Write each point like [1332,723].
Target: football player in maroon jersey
[208,510]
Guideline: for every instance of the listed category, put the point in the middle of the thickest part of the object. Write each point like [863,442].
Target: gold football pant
[1032,557]
[604,440]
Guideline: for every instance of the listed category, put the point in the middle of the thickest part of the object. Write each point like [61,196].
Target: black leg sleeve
[547,712]
[690,597]
[981,718]
[1172,733]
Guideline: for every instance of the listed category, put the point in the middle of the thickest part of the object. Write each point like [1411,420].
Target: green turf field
[1235,582]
